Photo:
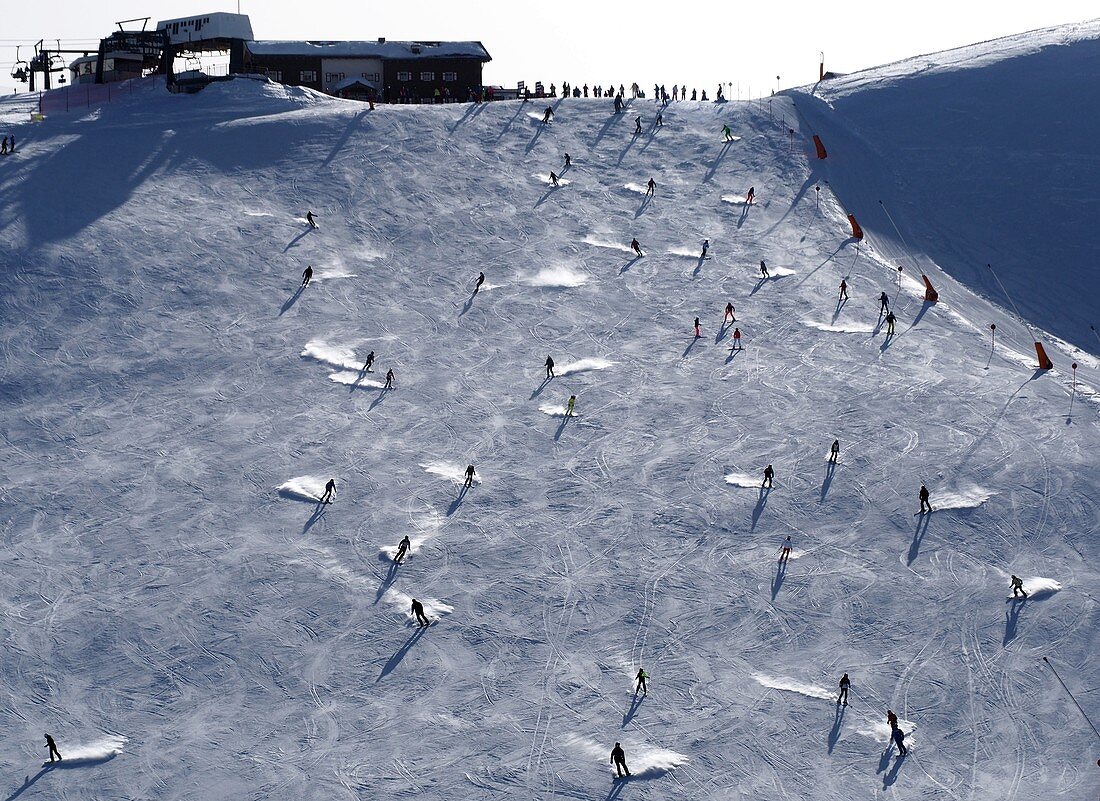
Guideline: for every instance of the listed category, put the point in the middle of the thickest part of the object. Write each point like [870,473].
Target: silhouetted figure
[469,475]
[751,196]
[568,160]
[640,678]
[845,683]
[310,220]
[890,320]
[660,121]
[899,738]
[307,274]
[618,759]
[843,289]
[884,300]
[769,474]
[651,188]
[402,549]
[637,125]
[390,377]
[569,408]
[834,452]
[330,491]
[547,115]
[764,274]
[50,744]
[706,247]
[726,132]
[1017,585]
[637,248]
[698,332]
[481,278]
[892,719]
[549,367]
[553,178]
[924,503]
[736,340]
[418,612]
[729,314]
[369,363]
[785,549]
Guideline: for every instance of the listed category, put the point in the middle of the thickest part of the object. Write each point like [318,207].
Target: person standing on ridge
[469,476]
[481,278]
[418,613]
[569,408]
[924,503]
[706,247]
[640,679]
[736,340]
[834,451]
[764,274]
[651,188]
[50,744]
[618,759]
[307,274]
[402,549]
[637,248]
[1017,585]
[785,549]
[769,474]
[729,314]
[884,300]
[369,363]
[390,377]
[698,332]
[751,196]
[845,683]
[549,367]
[330,491]
[890,320]
[547,115]
[310,220]
[843,289]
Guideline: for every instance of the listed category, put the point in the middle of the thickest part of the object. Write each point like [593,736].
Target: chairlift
[21,69]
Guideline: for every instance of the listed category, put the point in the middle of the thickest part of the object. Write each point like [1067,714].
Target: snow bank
[334,355]
[303,488]
[968,498]
[93,753]
[355,378]
[449,470]
[557,276]
[794,686]
[583,366]
[745,480]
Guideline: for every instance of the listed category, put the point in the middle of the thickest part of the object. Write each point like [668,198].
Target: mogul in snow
[845,683]
[1017,585]
[764,270]
[50,744]
[390,378]
[834,451]
[310,220]
[636,247]
[640,679]
[369,363]
[330,491]
[924,503]
[418,613]
[769,474]
[402,549]
[481,276]
[618,759]
[307,274]
[549,367]
[469,476]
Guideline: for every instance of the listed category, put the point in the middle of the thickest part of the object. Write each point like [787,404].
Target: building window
[372,76]
[404,76]
[275,75]
[308,76]
[427,76]
[333,77]
[450,76]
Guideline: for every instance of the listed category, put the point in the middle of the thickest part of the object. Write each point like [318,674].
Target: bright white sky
[690,42]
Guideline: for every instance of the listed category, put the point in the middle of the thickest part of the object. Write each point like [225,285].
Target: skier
[547,115]
[307,274]
[884,299]
[834,452]
[549,367]
[369,363]
[845,683]
[729,314]
[726,132]
[4,147]
[890,320]
[706,247]
[660,121]
[553,178]
[892,719]
[924,499]
[698,333]
[569,408]
[636,247]
[618,759]
[310,220]
[50,744]
[389,379]
[736,340]
[764,274]
[843,289]
[751,196]
[568,160]
[651,188]
[899,738]
[640,678]
[481,277]
[1017,585]
[694,94]
[418,611]
[785,549]
[330,491]
[769,474]
[637,125]
[402,549]
[618,104]
[469,476]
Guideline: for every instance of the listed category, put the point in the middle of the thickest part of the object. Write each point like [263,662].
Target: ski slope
[174,401]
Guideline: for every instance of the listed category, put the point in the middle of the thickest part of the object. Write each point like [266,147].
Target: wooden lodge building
[391,72]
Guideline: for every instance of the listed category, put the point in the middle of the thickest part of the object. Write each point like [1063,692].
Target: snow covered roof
[347,83]
[371,49]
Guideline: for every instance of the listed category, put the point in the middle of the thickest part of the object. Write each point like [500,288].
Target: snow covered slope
[989,155]
[173,401]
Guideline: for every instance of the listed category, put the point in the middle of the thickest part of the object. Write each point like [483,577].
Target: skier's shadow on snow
[318,513]
[381,397]
[892,776]
[918,536]
[549,192]
[780,574]
[296,239]
[884,760]
[840,304]
[292,299]
[834,733]
[625,150]
[759,284]
[722,332]
[830,471]
[1012,619]
[473,111]
[617,785]
[457,502]
[538,390]
[643,206]
[28,782]
[733,354]
[886,343]
[561,427]
[399,654]
[507,126]
[629,264]
[923,310]
[387,580]
[761,502]
[744,215]
[698,267]
[635,705]
[687,350]
[469,304]
[713,168]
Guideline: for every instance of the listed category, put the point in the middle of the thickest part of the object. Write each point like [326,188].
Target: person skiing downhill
[330,491]
[389,379]
[50,744]
[899,738]
[418,611]
[310,220]
[764,274]
[729,314]
[892,719]
[890,320]
[640,679]
[726,132]
[547,115]
[736,340]
[481,278]
[568,160]
[402,549]
[751,196]
[843,289]
[549,367]
[636,247]
[618,104]
[651,188]
[469,476]
[660,121]
[785,549]
[618,759]
[553,178]
[307,274]
[706,247]
[1017,585]
[845,683]
[769,474]
[698,332]
[569,408]
[834,451]
[637,125]
[924,503]
[369,363]
[884,300]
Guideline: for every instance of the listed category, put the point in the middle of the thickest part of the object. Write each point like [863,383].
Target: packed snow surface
[159,581]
